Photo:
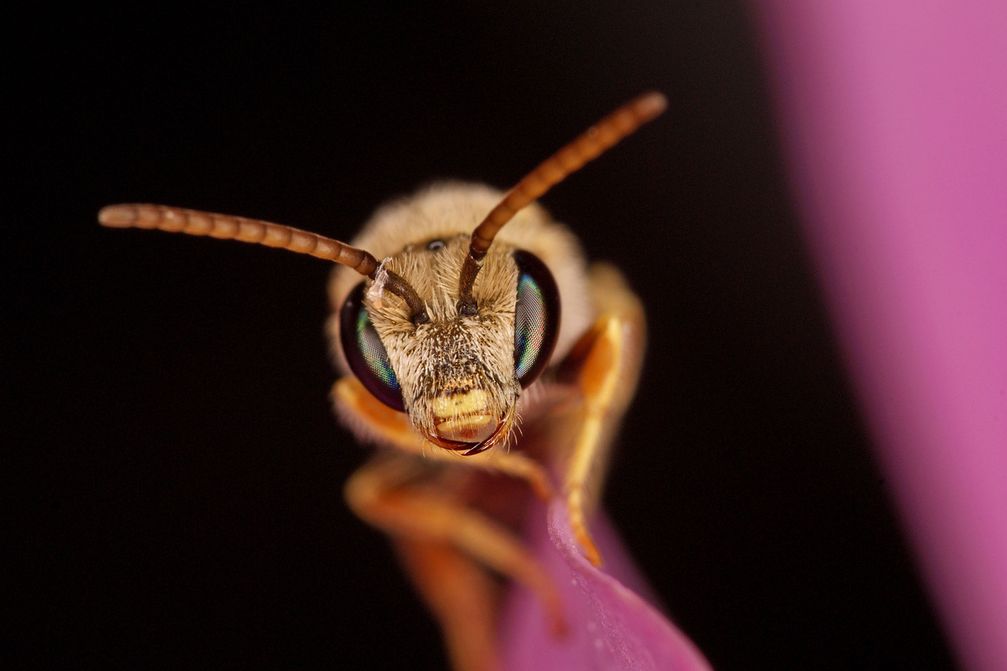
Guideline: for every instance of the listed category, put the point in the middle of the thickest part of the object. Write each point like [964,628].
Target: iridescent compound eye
[536,317]
[364,352]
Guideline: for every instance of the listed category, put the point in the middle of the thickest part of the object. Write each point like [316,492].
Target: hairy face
[456,372]
[459,377]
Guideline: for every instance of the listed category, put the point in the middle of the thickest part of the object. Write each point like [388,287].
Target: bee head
[457,375]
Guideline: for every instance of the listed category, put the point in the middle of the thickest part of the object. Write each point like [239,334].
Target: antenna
[588,146]
[256,231]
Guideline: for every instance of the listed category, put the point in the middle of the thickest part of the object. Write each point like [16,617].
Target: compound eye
[536,317]
[364,352]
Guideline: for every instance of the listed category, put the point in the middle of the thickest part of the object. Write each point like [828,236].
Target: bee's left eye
[536,317]
[365,353]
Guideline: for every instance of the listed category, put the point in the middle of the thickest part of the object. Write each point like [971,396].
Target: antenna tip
[650,104]
[117,216]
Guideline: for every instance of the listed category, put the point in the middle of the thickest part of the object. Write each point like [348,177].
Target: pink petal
[611,625]
[895,115]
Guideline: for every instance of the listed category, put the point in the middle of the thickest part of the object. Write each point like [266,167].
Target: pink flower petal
[611,624]
[895,116]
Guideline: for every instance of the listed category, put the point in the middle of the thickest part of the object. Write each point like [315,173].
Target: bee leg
[388,493]
[604,366]
[461,595]
[372,420]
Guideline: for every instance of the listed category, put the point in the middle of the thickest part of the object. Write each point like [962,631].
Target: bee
[484,358]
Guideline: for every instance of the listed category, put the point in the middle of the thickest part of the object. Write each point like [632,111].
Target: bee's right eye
[536,317]
[364,352]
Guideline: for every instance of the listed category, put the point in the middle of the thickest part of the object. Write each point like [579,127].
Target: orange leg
[604,367]
[372,420]
[461,595]
[435,530]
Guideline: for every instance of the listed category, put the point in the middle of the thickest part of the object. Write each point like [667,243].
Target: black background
[185,470]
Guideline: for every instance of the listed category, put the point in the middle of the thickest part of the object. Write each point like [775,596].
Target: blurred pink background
[895,119]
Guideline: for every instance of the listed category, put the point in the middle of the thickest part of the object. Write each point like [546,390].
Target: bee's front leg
[604,366]
[461,595]
[373,421]
[445,544]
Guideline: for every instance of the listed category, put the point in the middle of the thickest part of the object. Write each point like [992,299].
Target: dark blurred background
[185,470]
